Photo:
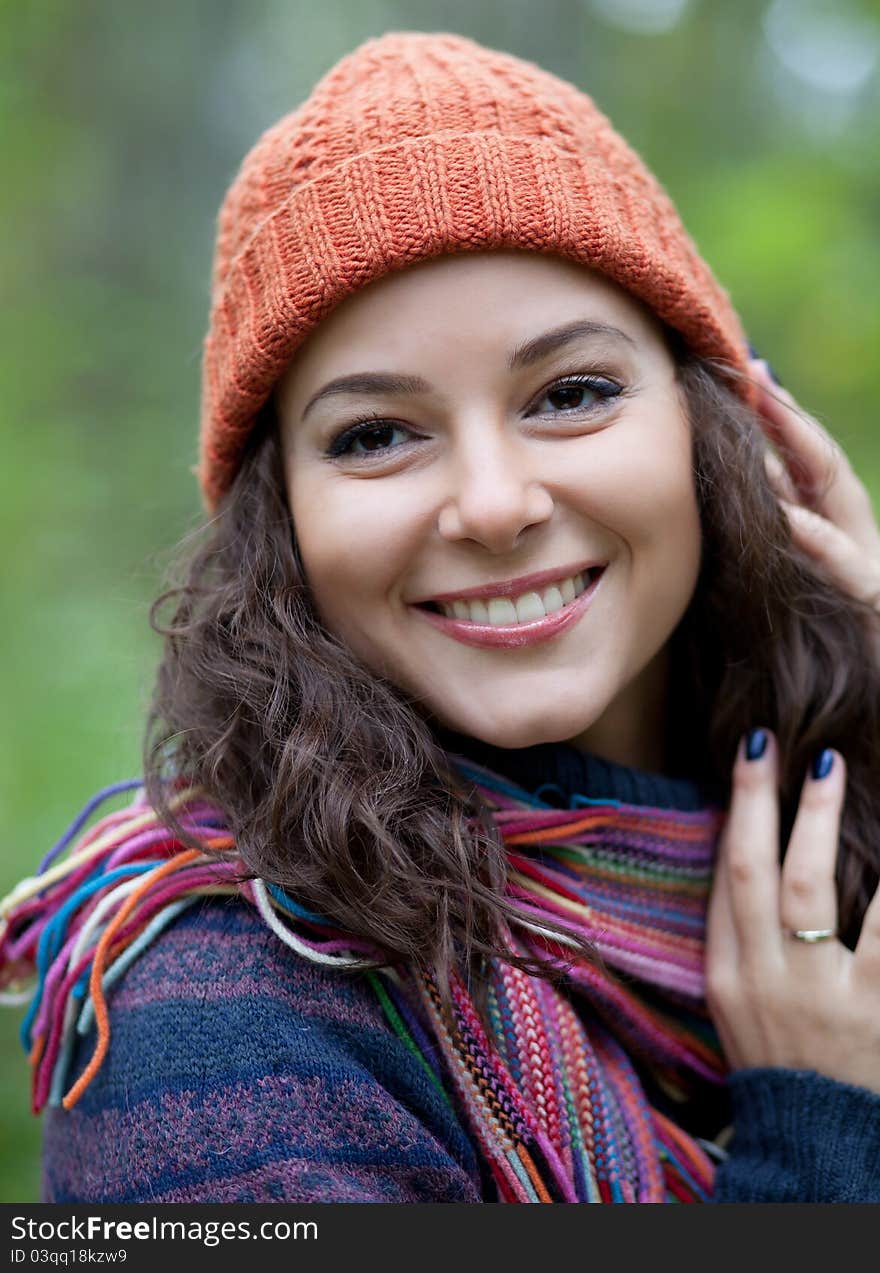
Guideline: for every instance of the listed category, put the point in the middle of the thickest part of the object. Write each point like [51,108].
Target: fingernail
[756,744]
[822,764]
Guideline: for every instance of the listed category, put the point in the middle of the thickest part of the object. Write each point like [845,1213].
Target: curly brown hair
[333,784]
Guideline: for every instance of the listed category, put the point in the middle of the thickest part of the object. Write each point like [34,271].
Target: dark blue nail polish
[756,744]
[822,764]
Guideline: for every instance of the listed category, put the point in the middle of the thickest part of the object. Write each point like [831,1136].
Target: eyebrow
[525,355]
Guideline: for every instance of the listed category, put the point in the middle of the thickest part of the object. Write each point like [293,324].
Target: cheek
[321,535]
[345,548]
[674,536]
[658,516]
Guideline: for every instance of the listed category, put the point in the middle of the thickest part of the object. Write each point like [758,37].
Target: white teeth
[501,612]
[507,611]
[553,599]
[529,607]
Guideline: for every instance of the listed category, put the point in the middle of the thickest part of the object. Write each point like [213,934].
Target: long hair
[333,784]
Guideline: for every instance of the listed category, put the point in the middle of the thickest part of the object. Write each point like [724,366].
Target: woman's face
[509,433]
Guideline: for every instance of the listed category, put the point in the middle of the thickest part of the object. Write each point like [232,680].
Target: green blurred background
[122,126]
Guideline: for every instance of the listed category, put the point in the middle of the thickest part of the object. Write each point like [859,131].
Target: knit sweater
[239,1071]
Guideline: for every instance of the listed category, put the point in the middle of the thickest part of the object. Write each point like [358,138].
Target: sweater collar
[555,772]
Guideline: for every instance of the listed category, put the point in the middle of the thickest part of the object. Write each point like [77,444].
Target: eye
[374,431]
[566,396]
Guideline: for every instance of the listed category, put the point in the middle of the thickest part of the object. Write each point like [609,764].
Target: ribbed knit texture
[557,772]
[412,146]
[784,1153]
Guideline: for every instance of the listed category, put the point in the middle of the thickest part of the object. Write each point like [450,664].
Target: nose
[495,490]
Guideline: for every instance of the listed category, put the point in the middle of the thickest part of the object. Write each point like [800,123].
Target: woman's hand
[828,508]
[777,1000]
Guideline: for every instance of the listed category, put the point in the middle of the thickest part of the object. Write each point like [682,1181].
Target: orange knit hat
[411,146]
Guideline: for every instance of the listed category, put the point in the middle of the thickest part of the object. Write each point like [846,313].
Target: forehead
[493,300]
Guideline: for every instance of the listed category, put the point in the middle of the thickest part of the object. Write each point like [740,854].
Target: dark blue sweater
[240,1072]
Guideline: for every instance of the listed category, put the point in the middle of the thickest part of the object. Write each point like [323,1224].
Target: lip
[514,636]
[512,587]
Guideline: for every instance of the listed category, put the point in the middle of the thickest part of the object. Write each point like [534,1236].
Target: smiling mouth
[530,607]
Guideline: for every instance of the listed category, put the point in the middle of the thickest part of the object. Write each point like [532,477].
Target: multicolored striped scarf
[553,1093]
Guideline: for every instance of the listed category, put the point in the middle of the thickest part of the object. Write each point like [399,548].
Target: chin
[525,729]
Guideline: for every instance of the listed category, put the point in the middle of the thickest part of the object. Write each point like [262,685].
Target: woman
[501,649]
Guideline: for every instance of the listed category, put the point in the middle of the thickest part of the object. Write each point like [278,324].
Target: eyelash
[607,389]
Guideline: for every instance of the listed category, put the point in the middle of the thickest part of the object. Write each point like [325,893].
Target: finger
[778,478]
[808,896]
[846,563]
[816,462]
[721,941]
[811,456]
[866,958]
[722,956]
[751,852]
